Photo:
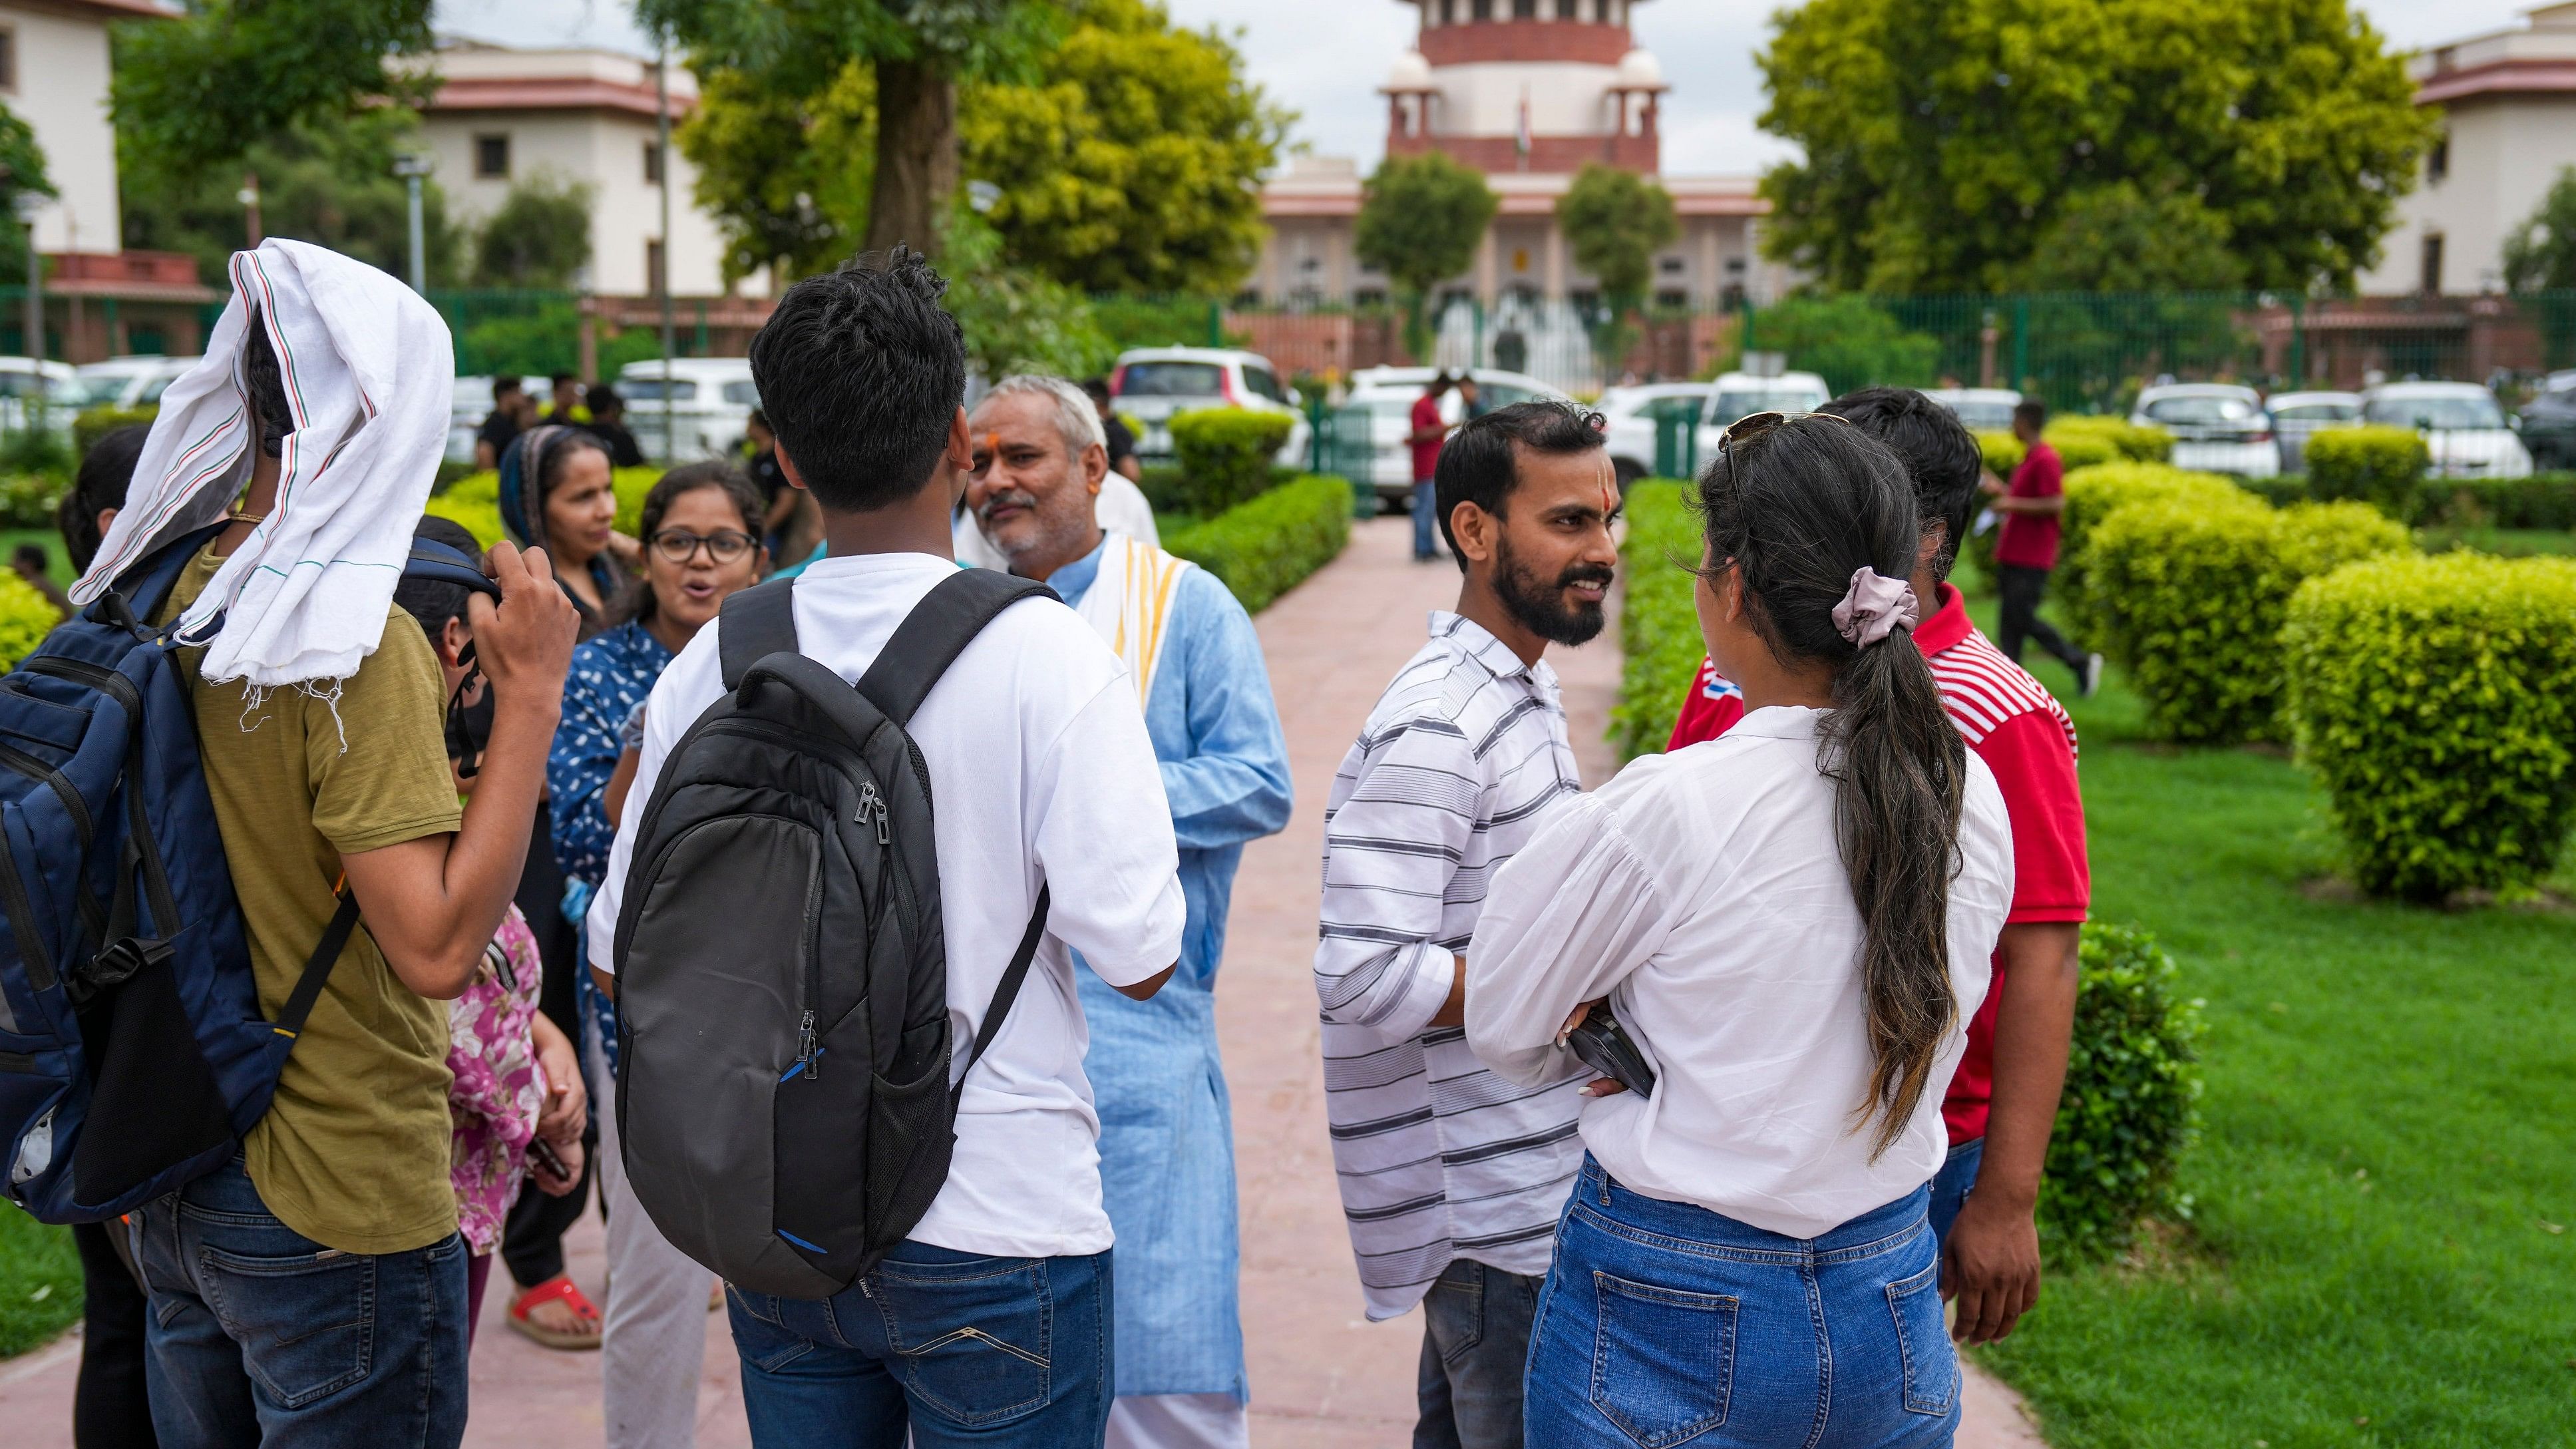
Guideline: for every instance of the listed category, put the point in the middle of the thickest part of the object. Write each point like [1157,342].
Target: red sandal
[559,1289]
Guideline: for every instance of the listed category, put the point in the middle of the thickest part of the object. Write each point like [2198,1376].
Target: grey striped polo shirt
[1438,1158]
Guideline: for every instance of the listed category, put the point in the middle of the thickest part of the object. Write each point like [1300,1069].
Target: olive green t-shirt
[354,1150]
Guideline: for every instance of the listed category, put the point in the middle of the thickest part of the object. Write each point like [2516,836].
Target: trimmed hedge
[26,617]
[2543,500]
[2130,1108]
[2435,698]
[1164,490]
[2093,494]
[27,499]
[2383,467]
[1266,547]
[2190,598]
[1658,622]
[1225,455]
[475,501]
[2081,443]
[92,424]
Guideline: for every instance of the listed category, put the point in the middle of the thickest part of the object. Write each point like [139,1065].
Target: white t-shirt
[1041,773]
[1703,893]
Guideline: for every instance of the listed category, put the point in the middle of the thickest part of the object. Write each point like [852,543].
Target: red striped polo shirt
[2017,727]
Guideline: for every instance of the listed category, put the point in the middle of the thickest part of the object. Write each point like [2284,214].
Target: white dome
[1639,70]
[1411,73]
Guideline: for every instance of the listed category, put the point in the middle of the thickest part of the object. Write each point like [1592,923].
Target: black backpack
[783,1098]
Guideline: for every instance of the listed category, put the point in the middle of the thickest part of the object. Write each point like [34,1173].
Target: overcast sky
[1329,72]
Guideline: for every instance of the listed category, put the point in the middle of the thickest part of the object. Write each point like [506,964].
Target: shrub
[2092,494]
[92,424]
[2543,500]
[1164,488]
[26,617]
[2383,467]
[2130,1107]
[2280,491]
[2435,698]
[27,499]
[2190,596]
[2082,443]
[1225,455]
[475,501]
[1266,547]
[1658,624]
[2134,442]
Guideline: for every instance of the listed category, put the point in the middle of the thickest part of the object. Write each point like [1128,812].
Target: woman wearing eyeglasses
[1792,924]
[701,536]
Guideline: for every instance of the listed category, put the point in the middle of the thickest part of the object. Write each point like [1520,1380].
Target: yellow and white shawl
[1130,603]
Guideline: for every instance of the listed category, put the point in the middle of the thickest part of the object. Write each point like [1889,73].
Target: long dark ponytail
[1798,508]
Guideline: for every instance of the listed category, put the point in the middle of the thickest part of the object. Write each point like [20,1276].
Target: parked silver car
[2297,416]
[1153,383]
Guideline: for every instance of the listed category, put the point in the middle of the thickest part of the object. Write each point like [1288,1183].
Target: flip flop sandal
[556,1290]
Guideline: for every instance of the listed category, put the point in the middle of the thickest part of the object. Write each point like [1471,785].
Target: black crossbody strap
[936,631]
[754,624]
[308,987]
[1008,991]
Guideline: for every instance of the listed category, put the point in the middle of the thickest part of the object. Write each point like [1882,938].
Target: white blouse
[1703,893]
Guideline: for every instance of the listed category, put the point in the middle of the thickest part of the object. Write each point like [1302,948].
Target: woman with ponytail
[1790,926]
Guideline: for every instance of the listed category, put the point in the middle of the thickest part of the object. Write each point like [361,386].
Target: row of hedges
[475,501]
[2082,442]
[1658,622]
[1266,547]
[2542,500]
[2435,698]
[26,617]
[1225,456]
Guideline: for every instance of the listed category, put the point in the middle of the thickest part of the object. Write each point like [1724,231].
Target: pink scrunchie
[1875,607]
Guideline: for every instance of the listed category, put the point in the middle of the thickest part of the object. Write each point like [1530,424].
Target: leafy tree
[1016,320]
[1133,165]
[1960,147]
[330,183]
[1614,222]
[2540,255]
[787,177]
[1420,220]
[197,92]
[2115,238]
[539,236]
[1846,340]
[22,169]
[918,52]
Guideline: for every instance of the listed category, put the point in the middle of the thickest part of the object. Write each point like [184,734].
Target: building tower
[1541,86]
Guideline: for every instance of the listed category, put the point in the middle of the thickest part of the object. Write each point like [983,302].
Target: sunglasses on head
[1754,425]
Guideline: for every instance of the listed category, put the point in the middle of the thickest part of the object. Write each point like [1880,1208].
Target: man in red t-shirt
[1425,437]
[2027,548]
[2002,1101]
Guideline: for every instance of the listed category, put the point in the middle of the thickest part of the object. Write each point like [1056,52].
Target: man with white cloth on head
[313,1290]
[1166,1132]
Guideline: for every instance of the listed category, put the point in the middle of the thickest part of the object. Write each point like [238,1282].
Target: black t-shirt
[623,450]
[1122,443]
[766,472]
[498,430]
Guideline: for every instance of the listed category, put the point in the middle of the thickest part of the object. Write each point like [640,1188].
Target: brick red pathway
[1322,1376]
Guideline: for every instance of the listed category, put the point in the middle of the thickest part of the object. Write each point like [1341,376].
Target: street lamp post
[662,283]
[29,205]
[411,168]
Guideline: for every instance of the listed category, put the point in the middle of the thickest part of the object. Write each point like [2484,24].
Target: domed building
[1528,92]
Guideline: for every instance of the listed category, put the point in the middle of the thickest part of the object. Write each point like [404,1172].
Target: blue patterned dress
[610,675]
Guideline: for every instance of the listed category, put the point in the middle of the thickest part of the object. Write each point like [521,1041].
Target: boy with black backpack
[832,1087]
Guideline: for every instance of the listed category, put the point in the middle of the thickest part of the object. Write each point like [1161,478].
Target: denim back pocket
[1663,1360]
[975,1337]
[1931,1364]
[307,1323]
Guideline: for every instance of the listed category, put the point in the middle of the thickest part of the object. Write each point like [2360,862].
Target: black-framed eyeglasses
[678,545]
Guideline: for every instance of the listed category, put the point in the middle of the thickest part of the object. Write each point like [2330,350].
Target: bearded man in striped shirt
[1451,1177]
[2003,1101]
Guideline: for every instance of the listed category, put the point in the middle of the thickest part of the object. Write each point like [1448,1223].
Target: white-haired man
[1166,1132]
[1117,503]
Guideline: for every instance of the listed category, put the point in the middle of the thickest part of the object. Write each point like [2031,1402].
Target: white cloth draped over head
[369,370]
[1130,603]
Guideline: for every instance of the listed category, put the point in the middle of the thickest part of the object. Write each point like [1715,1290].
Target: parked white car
[2299,416]
[1636,416]
[1738,395]
[711,403]
[466,410]
[2217,427]
[23,381]
[1981,409]
[131,382]
[1388,395]
[2462,425]
[1153,383]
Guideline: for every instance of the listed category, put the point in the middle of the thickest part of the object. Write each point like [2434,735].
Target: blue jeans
[964,1350]
[1426,519]
[1950,1189]
[260,1336]
[1666,1324]
[1475,1347]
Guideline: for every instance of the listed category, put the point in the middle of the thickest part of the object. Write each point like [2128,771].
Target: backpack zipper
[873,804]
[808,1053]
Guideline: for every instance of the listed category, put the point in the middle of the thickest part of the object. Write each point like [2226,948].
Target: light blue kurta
[1166,1131]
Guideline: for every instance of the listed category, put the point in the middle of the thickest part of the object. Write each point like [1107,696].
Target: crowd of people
[1679,1106]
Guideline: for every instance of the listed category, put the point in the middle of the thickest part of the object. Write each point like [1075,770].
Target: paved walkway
[1323,1377]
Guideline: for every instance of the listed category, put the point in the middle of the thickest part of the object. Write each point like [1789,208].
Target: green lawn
[2379,1251]
[2505,542]
[40,1281]
[52,542]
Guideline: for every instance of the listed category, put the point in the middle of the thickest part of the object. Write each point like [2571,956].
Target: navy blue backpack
[133,1055]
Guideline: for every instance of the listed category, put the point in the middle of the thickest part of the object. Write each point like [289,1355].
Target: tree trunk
[916,155]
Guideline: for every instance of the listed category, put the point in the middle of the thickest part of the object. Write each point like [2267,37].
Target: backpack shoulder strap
[140,591]
[1007,992]
[936,631]
[317,967]
[754,624]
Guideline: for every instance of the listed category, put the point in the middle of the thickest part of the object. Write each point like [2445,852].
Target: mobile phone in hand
[549,1159]
[1603,1045]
